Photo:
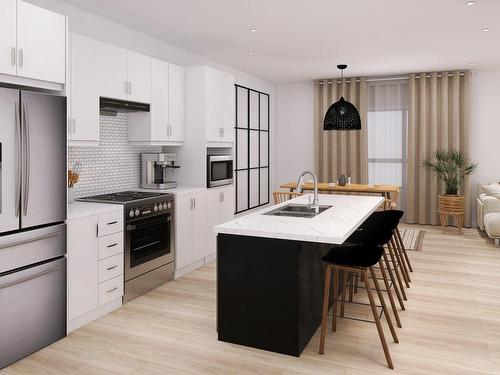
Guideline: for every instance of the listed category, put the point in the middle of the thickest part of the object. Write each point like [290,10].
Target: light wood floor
[451,326]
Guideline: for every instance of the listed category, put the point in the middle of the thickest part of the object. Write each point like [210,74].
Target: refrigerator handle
[24,279]
[27,159]
[18,159]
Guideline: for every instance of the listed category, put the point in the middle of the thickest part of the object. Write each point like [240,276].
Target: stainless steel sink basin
[297,210]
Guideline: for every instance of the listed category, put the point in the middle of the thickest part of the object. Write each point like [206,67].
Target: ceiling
[298,40]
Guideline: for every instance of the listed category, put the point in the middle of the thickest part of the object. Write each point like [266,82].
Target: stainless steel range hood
[111,107]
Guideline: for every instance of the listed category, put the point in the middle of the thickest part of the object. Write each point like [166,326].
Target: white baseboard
[195,265]
[86,318]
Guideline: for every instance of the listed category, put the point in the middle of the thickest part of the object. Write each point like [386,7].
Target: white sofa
[488,210]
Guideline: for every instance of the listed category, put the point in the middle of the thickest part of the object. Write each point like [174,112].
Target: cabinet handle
[223,132]
[21,58]
[130,88]
[113,244]
[13,56]
[223,197]
[112,222]
[194,203]
[112,290]
[112,267]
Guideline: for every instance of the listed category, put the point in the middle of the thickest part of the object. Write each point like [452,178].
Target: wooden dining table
[390,192]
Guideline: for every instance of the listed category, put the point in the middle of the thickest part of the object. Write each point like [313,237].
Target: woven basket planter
[451,205]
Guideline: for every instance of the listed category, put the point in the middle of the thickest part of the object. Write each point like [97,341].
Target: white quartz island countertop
[333,226]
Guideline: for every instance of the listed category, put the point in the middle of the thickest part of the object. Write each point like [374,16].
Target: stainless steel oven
[219,170]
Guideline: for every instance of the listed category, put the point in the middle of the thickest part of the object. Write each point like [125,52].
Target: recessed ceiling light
[297,76]
[470,3]
[472,64]
[485,29]
[252,30]
[251,53]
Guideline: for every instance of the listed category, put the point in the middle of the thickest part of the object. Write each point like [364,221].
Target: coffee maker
[155,168]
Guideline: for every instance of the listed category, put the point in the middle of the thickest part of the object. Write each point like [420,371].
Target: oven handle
[147,245]
[131,227]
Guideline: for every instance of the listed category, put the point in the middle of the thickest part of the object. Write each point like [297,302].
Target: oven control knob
[160,207]
[155,208]
[137,212]
[131,213]
[169,205]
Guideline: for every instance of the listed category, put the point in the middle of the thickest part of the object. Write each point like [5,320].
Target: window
[387,134]
[252,148]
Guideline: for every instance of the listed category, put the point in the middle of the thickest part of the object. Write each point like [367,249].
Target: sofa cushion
[492,190]
[492,224]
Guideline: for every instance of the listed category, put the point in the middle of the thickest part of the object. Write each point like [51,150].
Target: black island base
[269,292]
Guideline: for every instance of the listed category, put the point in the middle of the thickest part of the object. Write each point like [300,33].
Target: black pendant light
[342,115]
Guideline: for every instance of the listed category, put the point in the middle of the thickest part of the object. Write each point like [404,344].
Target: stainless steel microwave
[219,170]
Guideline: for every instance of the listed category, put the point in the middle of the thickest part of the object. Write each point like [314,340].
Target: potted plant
[451,166]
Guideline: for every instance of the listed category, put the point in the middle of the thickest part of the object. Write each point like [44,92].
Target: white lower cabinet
[196,215]
[95,266]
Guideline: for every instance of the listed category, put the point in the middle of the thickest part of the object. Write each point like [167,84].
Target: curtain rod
[319,82]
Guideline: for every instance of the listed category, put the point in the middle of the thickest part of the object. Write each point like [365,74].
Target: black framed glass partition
[252,148]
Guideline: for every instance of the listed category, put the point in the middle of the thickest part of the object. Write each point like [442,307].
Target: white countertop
[83,209]
[333,226]
[179,190]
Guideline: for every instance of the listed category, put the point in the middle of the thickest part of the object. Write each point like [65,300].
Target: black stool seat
[354,255]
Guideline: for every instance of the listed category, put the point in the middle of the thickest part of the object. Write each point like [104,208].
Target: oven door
[148,244]
[220,170]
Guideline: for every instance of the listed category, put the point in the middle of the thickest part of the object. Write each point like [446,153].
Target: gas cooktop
[123,196]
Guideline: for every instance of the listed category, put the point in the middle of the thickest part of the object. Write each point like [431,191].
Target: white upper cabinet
[220,106]
[8,55]
[83,123]
[41,43]
[111,76]
[138,77]
[165,126]
[176,103]
[160,104]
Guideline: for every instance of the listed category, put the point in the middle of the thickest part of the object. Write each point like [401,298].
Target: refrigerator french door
[32,215]
[33,159]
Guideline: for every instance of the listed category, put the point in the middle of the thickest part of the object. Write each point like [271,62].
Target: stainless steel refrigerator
[32,222]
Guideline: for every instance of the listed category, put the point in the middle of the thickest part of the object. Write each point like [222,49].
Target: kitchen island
[270,273]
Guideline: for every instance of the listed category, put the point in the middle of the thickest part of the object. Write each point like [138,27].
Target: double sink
[298,210]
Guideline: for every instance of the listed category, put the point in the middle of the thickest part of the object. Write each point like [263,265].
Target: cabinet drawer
[110,222]
[110,245]
[110,267]
[110,290]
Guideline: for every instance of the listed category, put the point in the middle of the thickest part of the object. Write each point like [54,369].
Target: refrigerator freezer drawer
[25,248]
[33,313]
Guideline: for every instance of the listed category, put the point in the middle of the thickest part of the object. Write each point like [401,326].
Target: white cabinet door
[139,77]
[228,104]
[159,100]
[214,128]
[183,231]
[201,225]
[228,204]
[111,80]
[41,43]
[8,52]
[84,117]
[82,266]
[176,103]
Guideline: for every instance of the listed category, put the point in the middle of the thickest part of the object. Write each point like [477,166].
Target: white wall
[294,131]
[485,127]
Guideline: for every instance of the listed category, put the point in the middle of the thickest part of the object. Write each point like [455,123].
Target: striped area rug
[412,238]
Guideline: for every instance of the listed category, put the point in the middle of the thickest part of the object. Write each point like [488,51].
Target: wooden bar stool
[355,259]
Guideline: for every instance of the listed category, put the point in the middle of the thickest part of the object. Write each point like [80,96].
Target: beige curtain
[438,118]
[341,152]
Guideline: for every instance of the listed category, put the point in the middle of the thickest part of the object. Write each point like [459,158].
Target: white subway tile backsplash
[112,166]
